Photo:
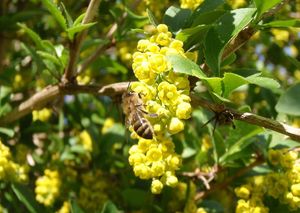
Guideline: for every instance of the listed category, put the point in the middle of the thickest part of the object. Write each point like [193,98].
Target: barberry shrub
[216,86]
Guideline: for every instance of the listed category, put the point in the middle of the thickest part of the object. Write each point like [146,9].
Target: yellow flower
[158,168]
[42,115]
[242,206]
[86,140]
[108,123]
[154,154]
[236,3]
[143,171]
[295,188]
[66,208]
[184,110]
[176,125]
[243,191]
[168,93]
[171,181]
[156,186]
[47,187]
[190,4]
[274,156]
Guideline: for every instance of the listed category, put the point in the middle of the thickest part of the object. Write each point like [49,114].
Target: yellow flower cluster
[155,6]
[283,185]
[281,37]
[107,125]
[86,141]
[66,208]
[236,3]
[42,115]
[47,187]
[93,189]
[165,94]
[9,170]
[190,4]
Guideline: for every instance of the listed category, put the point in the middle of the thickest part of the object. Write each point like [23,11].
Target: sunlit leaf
[228,26]
[289,102]
[52,8]
[184,65]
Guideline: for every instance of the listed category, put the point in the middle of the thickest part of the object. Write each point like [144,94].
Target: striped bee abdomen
[142,127]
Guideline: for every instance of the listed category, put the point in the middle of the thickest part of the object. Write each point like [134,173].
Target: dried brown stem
[226,182]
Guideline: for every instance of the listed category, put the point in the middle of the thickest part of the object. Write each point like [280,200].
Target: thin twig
[108,36]
[259,160]
[75,45]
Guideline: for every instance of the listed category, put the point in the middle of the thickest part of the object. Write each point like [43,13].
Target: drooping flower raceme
[165,95]
[48,187]
[9,170]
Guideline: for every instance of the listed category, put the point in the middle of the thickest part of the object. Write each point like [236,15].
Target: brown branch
[37,101]
[292,132]
[75,45]
[47,95]
[50,93]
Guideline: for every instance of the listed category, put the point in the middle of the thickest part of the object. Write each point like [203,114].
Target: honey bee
[133,108]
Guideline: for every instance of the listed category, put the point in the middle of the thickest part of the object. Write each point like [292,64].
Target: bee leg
[215,125]
[207,122]
[140,94]
[153,115]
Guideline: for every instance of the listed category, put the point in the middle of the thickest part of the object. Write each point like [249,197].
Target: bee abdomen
[143,128]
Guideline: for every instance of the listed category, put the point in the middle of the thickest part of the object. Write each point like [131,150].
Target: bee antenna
[128,85]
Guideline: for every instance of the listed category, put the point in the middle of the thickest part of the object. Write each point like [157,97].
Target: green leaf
[228,26]
[50,57]
[176,18]
[207,17]
[32,52]
[208,5]
[152,18]
[289,102]
[224,86]
[215,84]
[33,35]
[109,207]
[239,139]
[187,34]
[232,81]
[75,207]
[69,18]
[229,60]
[52,8]
[79,19]
[184,65]
[78,28]
[283,23]
[135,197]
[265,82]
[26,197]
[294,61]
[188,152]
[9,132]
[263,5]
